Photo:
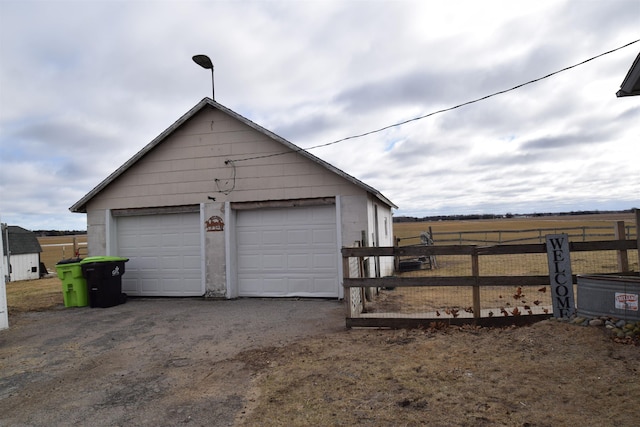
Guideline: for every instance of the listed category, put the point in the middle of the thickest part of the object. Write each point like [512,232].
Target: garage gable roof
[631,84]
[80,205]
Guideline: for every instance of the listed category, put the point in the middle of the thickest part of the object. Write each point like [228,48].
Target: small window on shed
[34,269]
[386,228]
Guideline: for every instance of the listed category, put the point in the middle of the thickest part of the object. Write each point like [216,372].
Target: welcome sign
[560,275]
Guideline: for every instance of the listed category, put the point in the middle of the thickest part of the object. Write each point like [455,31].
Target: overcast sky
[84,85]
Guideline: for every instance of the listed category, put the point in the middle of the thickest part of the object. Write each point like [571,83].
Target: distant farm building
[21,260]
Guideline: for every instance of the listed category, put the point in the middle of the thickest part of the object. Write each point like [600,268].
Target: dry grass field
[34,295]
[405,230]
[548,374]
[56,248]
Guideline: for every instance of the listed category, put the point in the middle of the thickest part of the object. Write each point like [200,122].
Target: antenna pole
[213,89]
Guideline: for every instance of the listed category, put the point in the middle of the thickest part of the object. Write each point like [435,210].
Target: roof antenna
[205,62]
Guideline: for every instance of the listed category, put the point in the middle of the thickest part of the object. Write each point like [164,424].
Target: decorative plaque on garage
[214,223]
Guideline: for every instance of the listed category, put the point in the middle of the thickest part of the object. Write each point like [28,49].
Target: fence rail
[355,287]
[498,237]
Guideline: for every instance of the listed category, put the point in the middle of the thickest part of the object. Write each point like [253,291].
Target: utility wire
[443,110]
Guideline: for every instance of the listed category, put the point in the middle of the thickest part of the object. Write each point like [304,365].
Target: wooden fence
[499,237]
[357,286]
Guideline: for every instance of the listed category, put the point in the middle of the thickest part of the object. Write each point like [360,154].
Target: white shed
[21,259]
[4,311]
[219,206]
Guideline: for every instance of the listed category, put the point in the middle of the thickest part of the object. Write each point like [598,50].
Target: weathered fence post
[368,294]
[623,258]
[347,291]
[396,258]
[432,258]
[360,262]
[637,211]
[475,272]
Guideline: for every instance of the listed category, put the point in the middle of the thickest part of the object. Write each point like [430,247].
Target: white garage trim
[203,261]
[287,251]
[230,255]
[156,210]
[339,245]
[165,252]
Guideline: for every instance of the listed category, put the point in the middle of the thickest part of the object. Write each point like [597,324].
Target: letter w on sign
[560,275]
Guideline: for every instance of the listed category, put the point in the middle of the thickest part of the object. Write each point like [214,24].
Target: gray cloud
[417,87]
[563,141]
[86,85]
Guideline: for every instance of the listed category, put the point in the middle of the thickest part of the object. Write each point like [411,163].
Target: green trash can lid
[93,259]
[69,261]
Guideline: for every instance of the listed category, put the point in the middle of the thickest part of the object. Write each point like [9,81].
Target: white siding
[23,267]
[380,234]
[4,315]
[183,169]
[385,236]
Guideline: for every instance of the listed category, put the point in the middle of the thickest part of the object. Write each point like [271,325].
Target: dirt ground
[147,362]
[261,362]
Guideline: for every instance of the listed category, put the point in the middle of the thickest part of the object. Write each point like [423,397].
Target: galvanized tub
[609,295]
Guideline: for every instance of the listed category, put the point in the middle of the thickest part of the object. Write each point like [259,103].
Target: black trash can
[104,280]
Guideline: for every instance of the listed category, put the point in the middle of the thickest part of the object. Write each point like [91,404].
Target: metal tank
[609,295]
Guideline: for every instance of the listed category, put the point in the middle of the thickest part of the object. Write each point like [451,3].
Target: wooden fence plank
[623,257]
[478,236]
[637,211]
[400,282]
[475,272]
[408,323]
[408,251]
[346,272]
[514,280]
[531,248]
[608,245]
[396,282]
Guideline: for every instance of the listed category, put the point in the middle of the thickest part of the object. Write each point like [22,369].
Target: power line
[443,110]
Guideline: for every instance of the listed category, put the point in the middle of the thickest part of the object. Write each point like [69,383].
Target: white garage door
[288,252]
[164,254]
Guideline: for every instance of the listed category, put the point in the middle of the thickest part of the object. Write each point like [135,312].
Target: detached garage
[218,206]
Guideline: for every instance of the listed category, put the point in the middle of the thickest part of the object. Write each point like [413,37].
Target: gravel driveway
[147,362]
